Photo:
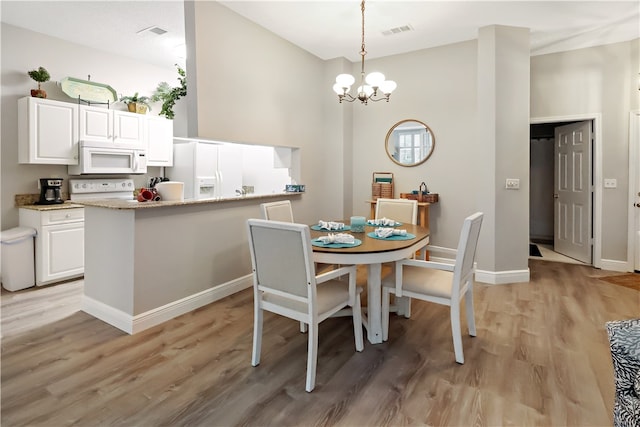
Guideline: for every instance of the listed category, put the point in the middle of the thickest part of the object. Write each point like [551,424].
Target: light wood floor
[541,358]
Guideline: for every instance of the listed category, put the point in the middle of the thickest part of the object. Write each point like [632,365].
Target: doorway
[543,197]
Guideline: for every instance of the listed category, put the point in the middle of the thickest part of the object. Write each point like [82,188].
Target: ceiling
[330,29]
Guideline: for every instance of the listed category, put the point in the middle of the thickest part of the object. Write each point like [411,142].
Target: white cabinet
[113,126]
[47,132]
[159,141]
[59,243]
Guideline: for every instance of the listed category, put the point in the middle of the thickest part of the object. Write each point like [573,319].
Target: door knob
[555,196]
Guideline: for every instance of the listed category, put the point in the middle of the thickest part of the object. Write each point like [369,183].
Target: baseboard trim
[493,277]
[502,277]
[134,324]
[615,265]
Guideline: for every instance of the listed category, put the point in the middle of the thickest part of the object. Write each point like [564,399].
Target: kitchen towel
[330,225]
[387,232]
[383,222]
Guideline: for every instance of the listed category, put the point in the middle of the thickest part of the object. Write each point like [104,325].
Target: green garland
[169,95]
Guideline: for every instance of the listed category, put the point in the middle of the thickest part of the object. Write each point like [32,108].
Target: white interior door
[573,191]
[634,189]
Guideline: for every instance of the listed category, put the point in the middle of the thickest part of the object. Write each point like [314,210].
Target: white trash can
[18,271]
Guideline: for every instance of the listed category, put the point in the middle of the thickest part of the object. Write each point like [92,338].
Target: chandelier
[376,87]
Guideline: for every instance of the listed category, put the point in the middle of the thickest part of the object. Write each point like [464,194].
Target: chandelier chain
[363,51]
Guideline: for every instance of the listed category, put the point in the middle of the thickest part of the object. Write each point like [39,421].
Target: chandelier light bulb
[345,80]
[339,89]
[375,79]
[388,86]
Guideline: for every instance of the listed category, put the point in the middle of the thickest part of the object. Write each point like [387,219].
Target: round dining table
[372,253]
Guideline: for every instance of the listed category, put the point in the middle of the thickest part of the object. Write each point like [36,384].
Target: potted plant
[169,95]
[137,104]
[40,75]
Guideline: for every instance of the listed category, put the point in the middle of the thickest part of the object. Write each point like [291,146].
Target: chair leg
[385,313]
[312,356]
[303,327]
[456,332]
[357,323]
[257,336]
[468,301]
[407,307]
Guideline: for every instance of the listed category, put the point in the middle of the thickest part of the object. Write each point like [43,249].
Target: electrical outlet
[512,184]
[610,183]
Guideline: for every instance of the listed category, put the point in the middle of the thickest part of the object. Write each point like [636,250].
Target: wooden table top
[371,245]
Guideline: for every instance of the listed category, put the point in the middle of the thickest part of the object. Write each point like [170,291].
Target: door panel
[634,184]
[573,195]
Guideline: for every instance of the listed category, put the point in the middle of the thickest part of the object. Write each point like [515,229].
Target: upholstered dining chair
[285,283]
[277,211]
[405,211]
[402,210]
[282,211]
[439,282]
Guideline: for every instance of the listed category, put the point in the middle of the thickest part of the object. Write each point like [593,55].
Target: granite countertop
[66,205]
[134,204]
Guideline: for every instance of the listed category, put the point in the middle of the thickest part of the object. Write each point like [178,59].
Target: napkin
[382,221]
[388,232]
[337,238]
[330,225]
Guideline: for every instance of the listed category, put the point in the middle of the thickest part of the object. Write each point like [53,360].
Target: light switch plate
[610,183]
[512,184]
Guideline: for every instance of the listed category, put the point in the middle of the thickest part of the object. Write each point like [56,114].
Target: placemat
[318,243]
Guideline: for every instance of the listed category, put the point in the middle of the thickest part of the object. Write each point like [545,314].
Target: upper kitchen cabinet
[159,141]
[117,127]
[47,132]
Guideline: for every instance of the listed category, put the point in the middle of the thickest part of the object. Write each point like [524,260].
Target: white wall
[604,80]
[255,87]
[438,87]
[24,50]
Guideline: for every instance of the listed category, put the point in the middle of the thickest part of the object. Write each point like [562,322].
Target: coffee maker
[50,191]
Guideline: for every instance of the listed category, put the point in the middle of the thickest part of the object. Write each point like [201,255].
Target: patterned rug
[629,280]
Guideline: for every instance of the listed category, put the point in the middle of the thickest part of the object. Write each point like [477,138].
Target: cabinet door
[129,128]
[96,124]
[63,252]
[47,132]
[159,141]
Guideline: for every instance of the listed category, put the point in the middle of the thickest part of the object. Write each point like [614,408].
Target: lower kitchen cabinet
[59,243]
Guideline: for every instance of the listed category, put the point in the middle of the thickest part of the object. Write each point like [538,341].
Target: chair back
[403,210]
[277,211]
[466,253]
[282,258]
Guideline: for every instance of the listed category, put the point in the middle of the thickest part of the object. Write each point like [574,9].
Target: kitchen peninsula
[146,263]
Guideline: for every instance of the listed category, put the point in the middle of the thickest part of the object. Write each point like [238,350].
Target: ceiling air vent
[397,30]
[155,30]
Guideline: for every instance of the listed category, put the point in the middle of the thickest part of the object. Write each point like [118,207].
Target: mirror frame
[390,154]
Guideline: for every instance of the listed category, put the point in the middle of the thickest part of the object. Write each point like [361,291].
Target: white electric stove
[101,188]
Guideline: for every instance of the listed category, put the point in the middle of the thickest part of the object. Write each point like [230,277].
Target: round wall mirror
[409,142]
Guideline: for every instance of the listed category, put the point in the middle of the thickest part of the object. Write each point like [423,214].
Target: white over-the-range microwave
[97,157]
